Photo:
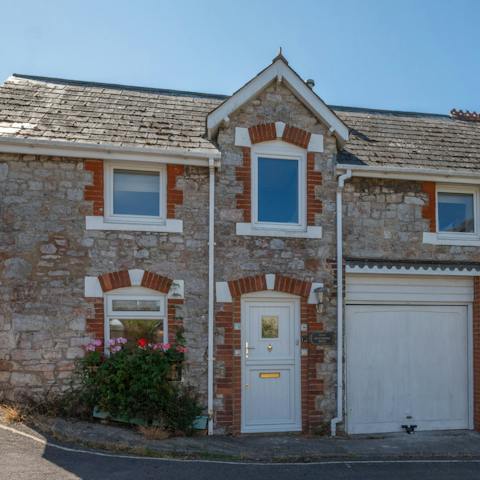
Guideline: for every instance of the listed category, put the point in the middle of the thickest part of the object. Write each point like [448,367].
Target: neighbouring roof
[86,112]
[410,140]
[96,113]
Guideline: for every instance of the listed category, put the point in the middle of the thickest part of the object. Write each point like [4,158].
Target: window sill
[99,223]
[440,239]
[249,229]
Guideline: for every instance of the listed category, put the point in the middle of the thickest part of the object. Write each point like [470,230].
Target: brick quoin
[94,192]
[174,194]
[314,179]
[476,353]
[429,209]
[228,385]
[243,175]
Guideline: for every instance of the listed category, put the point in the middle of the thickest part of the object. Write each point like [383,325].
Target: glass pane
[133,330]
[269,327]
[136,305]
[136,193]
[277,190]
[455,212]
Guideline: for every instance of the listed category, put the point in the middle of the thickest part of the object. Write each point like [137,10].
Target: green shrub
[137,383]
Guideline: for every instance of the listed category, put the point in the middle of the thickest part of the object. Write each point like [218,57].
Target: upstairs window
[457,210]
[135,193]
[279,187]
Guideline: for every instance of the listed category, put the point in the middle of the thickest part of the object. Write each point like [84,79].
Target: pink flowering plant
[139,380]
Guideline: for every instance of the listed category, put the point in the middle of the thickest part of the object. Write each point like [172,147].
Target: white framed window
[457,210]
[279,182]
[135,193]
[135,313]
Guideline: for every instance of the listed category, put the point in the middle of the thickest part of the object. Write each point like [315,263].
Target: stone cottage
[323,261]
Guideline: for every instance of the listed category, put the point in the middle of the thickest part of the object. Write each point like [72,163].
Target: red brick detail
[296,136]
[311,386]
[262,132]
[292,285]
[174,195]
[314,179]
[175,320]
[476,353]
[244,285]
[429,210]
[94,192]
[95,322]
[113,280]
[244,176]
[228,382]
[156,282]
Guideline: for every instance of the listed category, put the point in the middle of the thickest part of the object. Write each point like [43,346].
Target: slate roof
[75,111]
[412,140]
[56,109]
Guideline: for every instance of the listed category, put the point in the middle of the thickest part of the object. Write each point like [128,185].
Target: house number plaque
[321,338]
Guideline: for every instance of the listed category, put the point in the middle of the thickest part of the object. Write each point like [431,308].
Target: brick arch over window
[296,136]
[266,132]
[154,281]
[258,283]
[228,386]
[122,279]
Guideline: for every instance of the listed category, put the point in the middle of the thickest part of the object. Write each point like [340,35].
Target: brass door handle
[269,348]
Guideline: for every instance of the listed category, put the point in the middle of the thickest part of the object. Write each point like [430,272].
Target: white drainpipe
[211,248]
[339,417]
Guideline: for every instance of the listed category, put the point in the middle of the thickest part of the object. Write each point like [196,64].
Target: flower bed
[139,382]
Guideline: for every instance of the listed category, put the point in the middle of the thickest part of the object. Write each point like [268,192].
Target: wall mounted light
[319,294]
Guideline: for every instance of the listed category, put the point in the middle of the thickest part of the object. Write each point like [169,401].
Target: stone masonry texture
[238,257]
[46,252]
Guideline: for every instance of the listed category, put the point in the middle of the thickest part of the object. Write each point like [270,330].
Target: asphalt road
[25,459]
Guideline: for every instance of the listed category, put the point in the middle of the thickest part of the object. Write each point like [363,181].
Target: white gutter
[29,146]
[408,173]
[211,251]
[339,417]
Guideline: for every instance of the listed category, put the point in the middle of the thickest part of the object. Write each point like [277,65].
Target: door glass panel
[269,326]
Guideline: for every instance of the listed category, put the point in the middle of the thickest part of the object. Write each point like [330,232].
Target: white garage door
[407,364]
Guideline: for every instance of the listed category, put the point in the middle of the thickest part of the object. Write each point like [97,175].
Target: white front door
[270,365]
[407,365]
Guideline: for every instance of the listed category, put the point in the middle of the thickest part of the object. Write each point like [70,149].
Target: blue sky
[420,55]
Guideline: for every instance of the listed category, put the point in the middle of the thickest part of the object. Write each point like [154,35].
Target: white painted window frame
[283,151]
[111,217]
[129,294]
[456,238]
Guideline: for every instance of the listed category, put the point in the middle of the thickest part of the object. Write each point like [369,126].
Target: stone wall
[46,253]
[385,219]
[245,256]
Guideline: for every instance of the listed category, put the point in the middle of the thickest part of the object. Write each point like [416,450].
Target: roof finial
[280,57]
